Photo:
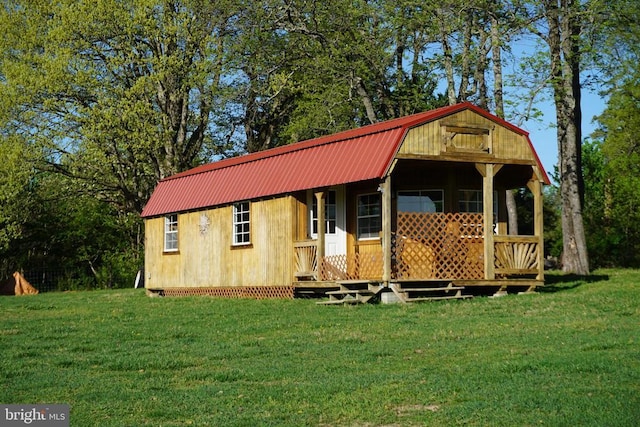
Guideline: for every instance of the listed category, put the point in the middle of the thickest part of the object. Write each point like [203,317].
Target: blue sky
[543,133]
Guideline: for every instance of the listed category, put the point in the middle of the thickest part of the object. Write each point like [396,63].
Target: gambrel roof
[355,155]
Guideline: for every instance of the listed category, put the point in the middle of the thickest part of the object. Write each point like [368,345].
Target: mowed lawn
[567,356]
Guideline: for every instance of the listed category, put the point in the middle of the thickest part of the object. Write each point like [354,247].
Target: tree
[620,180]
[562,34]
[326,67]
[16,198]
[98,101]
[120,93]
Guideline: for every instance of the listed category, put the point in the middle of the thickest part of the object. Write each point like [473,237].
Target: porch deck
[431,248]
[410,290]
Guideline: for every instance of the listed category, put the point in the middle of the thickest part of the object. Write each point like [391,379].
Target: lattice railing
[439,246]
[426,246]
[516,254]
[366,266]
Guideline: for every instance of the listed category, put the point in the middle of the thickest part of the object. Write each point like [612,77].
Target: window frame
[241,224]
[171,233]
[480,202]
[370,235]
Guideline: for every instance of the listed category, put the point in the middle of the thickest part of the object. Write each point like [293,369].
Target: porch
[433,247]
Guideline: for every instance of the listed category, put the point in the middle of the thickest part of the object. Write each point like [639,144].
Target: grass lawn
[567,356]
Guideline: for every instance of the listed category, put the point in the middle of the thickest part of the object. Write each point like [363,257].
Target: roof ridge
[345,135]
[283,149]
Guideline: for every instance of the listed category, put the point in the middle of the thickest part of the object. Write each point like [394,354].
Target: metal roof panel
[350,156]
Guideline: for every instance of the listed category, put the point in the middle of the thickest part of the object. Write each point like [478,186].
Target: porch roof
[345,157]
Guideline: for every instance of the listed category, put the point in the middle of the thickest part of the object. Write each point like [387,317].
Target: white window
[369,216]
[421,201]
[241,224]
[171,233]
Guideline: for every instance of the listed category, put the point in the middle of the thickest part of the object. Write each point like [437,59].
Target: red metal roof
[350,156]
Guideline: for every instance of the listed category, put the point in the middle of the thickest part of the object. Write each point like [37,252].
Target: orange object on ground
[17,285]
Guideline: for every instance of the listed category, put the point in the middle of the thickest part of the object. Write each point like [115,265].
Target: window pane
[171,232]
[470,201]
[421,201]
[369,219]
[241,223]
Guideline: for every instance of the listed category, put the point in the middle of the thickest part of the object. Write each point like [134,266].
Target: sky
[543,132]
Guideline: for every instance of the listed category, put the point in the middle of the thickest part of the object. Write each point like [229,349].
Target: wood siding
[463,134]
[207,258]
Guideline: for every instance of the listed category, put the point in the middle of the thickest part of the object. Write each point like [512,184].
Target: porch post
[488,171]
[535,186]
[322,225]
[385,188]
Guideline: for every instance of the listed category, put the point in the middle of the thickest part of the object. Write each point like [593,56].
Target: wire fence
[47,280]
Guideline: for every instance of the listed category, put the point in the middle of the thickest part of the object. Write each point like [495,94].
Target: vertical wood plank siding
[206,257]
[428,139]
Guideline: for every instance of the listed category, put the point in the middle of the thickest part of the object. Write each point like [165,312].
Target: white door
[335,212]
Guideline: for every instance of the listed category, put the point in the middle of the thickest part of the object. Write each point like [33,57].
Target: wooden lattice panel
[255,292]
[334,267]
[369,265]
[439,246]
[366,266]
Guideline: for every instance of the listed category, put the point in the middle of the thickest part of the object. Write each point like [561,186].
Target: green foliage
[601,239]
[80,239]
[552,223]
[99,99]
[118,93]
[15,178]
[613,168]
[312,69]
[565,356]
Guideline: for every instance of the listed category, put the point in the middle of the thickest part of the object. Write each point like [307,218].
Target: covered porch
[448,248]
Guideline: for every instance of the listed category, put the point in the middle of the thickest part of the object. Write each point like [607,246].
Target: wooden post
[322,225]
[385,189]
[488,172]
[535,186]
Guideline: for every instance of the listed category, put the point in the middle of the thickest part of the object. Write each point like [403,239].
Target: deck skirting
[250,292]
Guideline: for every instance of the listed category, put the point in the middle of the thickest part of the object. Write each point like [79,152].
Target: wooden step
[348,297]
[350,291]
[438,298]
[452,288]
[339,301]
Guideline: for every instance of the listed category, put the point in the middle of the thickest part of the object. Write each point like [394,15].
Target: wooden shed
[411,208]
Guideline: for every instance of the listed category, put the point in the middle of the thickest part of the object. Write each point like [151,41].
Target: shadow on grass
[556,282]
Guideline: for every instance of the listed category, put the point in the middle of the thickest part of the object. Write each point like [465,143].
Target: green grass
[567,356]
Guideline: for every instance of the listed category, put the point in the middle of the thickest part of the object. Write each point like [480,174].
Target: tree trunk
[496,56]
[465,71]
[565,66]
[366,100]
[448,60]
